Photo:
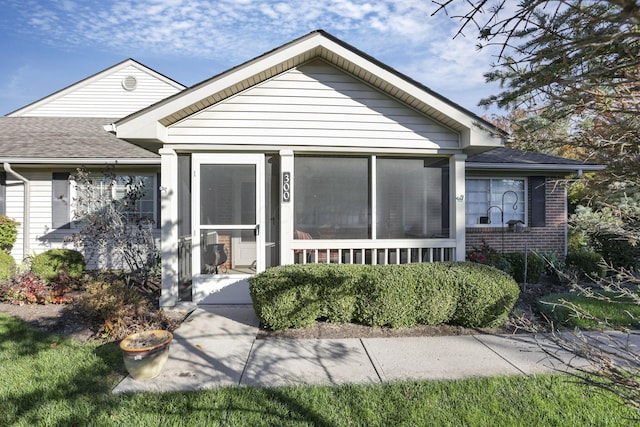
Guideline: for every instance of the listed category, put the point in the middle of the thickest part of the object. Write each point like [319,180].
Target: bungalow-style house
[313,152]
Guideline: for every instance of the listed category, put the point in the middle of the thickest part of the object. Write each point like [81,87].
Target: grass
[48,380]
[592,313]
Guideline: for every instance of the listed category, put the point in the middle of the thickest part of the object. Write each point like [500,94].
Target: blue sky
[48,45]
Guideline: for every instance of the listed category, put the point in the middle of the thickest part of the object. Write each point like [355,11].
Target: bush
[30,289]
[437,294]
[52,264]
[120,310]
[617,250]
[7,266]
[587,264]
[387,297]
[8,233]
[285,297]
[535,266]
[486,295]
[487,255]
[394,295]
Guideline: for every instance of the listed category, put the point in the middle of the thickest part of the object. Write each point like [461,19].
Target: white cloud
[401,33]
[198,27]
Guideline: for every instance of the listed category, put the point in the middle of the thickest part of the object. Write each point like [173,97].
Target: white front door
[228,215]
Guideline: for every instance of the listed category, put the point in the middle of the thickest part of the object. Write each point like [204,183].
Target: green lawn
[46,380]
[614,313]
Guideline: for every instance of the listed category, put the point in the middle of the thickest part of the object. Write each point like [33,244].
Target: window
[333,197]
[494,202]
[142,191]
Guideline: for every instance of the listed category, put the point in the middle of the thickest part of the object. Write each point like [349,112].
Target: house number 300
[286,186]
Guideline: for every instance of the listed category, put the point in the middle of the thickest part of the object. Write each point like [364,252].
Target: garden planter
[145,353]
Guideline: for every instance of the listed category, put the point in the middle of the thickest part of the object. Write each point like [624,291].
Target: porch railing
[373,252]
[347,252]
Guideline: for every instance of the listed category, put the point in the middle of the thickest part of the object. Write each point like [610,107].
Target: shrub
[535,266]
[395,295]
[120,310]
[616,250]
[52,264]
[8,233]
[30,289]
[7,266]
[486,295]
[387,297]
[286,297]
[587,264]
[487,255]
[437,294]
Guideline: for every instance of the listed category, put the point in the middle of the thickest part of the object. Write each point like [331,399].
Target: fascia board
[142,125]
[467,124]
[534,167]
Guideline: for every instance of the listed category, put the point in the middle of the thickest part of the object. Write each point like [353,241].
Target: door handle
[257,230]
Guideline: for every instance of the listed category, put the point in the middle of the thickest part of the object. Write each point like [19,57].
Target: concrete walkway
[216,346]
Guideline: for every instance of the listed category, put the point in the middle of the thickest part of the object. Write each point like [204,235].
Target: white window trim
[525,201]
[75,223]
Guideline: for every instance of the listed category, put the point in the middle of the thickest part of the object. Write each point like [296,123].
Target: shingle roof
[502,158]
[41,138]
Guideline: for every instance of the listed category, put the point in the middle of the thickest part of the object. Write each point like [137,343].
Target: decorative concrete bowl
[145,353]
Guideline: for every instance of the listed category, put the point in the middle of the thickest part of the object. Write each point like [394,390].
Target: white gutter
[80,161]
[26,229]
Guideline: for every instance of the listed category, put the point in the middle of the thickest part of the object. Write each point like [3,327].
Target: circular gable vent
[129,83]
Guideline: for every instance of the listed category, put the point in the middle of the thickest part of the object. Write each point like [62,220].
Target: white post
[286,206]
[458,212]
[169,226]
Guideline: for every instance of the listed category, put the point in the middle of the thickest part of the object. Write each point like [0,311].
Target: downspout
[26,229]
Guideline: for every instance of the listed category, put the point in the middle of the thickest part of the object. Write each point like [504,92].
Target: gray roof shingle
[41,138]
[513,158]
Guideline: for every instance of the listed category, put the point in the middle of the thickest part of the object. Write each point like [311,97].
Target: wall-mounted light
[162,189]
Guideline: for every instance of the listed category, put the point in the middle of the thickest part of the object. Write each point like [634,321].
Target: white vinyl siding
[317,105]
[106,97]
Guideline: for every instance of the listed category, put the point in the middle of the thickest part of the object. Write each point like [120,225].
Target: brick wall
[551,238]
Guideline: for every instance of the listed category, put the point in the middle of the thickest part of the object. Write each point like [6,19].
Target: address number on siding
[286,186]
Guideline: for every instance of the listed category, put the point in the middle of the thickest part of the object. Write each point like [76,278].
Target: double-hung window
[137,195]
[493,202]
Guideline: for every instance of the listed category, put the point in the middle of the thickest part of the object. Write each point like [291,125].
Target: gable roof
[66,140]
[512,159]
[113,92]
[150,123]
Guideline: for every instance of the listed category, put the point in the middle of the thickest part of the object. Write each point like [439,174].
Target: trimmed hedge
[460,293]
[50,264]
